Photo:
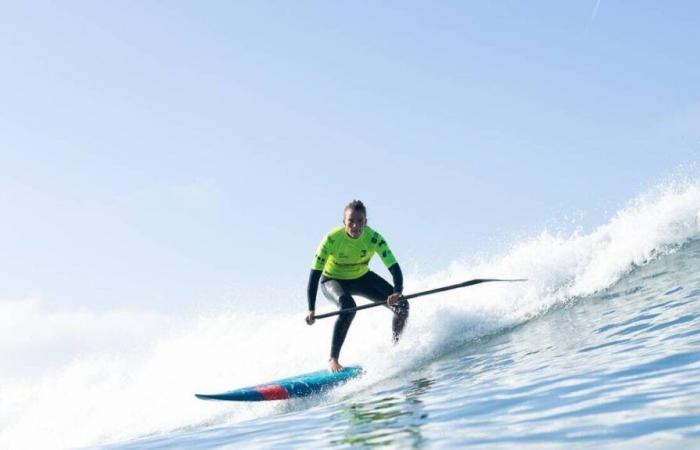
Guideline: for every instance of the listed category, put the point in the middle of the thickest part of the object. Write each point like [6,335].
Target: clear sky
[174,155]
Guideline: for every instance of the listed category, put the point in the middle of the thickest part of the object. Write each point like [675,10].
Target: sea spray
[111,392]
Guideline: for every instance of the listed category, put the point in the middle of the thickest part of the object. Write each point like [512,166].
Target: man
[341,264]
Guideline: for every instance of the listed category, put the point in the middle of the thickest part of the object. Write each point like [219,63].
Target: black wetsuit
[370,286]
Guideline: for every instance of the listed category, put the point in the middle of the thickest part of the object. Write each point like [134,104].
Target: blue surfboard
[298,386]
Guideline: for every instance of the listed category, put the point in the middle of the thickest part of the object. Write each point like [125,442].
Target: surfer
[341,264]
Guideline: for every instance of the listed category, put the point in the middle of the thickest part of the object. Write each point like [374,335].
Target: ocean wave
[122,375]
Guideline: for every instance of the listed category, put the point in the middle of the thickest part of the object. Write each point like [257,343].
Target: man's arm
[312,288]
[397,276]
[389,260]
[325,248]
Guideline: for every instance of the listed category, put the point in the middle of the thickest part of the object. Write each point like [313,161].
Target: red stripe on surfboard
[272,392]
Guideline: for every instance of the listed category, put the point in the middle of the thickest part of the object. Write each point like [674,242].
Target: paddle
[418,294]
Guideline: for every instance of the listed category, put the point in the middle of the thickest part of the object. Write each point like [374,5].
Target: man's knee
[346,301]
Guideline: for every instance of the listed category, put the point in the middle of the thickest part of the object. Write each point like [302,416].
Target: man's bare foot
[334,365]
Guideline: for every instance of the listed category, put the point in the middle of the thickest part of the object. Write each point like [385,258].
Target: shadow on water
[394,420]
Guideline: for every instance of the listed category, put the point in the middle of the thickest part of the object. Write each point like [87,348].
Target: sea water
[600,348]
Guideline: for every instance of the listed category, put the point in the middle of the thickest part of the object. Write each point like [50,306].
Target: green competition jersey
[344,258]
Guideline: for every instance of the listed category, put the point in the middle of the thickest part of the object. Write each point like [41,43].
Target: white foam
[90,378]
[560,266]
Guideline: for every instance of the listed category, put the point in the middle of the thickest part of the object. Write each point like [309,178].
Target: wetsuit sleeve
[397,277]
[324,250]
[312,288]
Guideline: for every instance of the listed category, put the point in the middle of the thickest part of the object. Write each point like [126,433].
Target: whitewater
[600,348]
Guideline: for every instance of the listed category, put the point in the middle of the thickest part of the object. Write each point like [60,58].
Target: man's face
[354,222]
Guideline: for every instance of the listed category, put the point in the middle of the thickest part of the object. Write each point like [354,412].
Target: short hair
[357,206]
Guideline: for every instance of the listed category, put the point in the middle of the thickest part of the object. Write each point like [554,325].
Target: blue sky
[178,155]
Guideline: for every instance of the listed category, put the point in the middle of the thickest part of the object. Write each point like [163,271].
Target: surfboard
[298,386]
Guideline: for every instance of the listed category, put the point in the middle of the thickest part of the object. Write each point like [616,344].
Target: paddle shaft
[417,294]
